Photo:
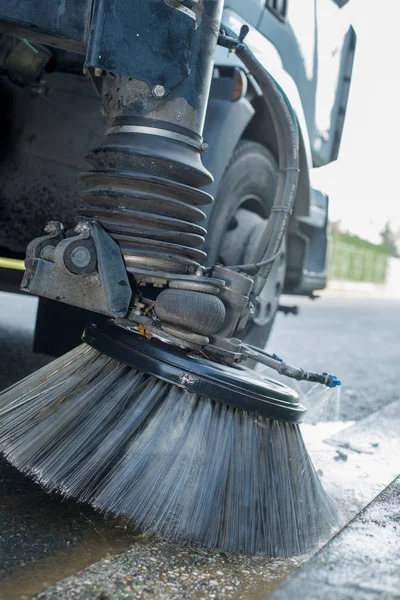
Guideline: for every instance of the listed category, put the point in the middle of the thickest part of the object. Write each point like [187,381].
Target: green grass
[354,259]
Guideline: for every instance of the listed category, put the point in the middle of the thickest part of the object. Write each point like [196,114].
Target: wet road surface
[43,539]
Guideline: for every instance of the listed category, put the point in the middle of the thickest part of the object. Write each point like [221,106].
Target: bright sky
[363,184]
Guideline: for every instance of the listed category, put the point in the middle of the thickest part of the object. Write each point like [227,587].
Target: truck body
[50,119]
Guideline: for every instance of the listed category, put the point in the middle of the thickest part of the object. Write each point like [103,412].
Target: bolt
[54,227]
[48,253]
[82,227]
[158,91]
[81,256]
[203,147]
[179,116]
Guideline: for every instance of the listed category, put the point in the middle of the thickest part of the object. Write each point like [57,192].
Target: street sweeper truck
[121,120]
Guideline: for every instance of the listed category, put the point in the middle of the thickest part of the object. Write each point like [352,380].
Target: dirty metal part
[288,310]
[274,362]
[184,334]
[235,296]
[144,186]
[194,285]
[80,256]
[236,386]
[238,245]
[96,28]
[147,29]
[185,107]
[143,190]
[229,349]
[47,23]
[146,194]
[60,268]
[44,147]
[145,197]
[158,91]
[48,253]
[95,76]
[55,233]
[160,277]
[182,316]
[151,329]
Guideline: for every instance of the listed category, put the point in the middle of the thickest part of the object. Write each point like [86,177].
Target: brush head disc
[239,387]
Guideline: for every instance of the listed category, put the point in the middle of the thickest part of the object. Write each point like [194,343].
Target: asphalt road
[356,339]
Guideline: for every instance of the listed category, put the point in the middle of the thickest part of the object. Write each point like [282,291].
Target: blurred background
[363,183]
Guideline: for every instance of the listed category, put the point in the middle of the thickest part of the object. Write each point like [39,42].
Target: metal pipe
[276,363]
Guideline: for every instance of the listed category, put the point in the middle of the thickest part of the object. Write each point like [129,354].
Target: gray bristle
[178,464]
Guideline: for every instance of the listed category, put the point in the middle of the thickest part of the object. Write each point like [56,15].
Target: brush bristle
[178,464]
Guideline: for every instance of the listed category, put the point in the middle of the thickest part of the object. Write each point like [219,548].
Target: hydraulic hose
[285,125]
[274,362]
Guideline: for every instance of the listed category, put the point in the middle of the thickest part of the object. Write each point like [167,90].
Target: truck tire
[242,207]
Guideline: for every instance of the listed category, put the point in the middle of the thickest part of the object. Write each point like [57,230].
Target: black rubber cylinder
[193,311]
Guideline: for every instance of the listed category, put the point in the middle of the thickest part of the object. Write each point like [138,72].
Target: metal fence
[354,261]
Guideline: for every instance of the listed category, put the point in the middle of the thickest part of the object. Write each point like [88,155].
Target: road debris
[152,569]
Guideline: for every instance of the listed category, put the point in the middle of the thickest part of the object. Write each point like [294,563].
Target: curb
[362,562]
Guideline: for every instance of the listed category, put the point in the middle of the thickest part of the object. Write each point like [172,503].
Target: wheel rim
[237,246]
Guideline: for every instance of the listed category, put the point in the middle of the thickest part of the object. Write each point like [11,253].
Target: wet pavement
[44,539]
[356,339]
[361,563]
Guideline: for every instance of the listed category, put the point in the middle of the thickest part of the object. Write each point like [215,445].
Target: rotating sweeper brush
[156,417]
